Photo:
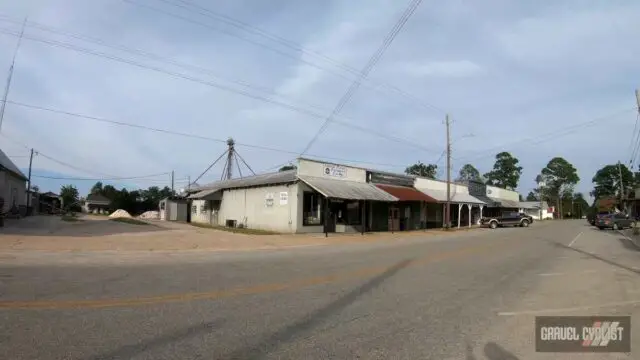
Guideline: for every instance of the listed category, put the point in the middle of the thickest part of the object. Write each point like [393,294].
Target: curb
[632,241]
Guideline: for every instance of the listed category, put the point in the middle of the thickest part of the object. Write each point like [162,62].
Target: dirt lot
[98,233]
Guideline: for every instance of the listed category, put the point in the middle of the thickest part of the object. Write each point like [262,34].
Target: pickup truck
[507,219]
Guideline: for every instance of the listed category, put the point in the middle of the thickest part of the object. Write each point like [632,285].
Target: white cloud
[456,68]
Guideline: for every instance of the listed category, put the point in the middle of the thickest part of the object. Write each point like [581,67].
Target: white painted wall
[535,214]
[249,207]
[202,214]
[499,193]
[12,187]
[316,168]
[423,183]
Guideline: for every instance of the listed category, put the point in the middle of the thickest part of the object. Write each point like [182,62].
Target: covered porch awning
[458,198]
[404,193]
[346,190]
[210,194]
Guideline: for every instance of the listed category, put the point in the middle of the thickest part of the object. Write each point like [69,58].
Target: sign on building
[334,170]
[284,198]
[268,200]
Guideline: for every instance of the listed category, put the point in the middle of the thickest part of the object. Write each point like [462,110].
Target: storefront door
[394,218]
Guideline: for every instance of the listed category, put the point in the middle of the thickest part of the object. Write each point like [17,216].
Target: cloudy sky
[531,78]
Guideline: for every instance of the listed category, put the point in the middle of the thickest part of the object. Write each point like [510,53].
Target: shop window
[203,208]
[311,209]
[194,209]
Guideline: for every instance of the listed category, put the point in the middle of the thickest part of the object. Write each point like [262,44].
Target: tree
[560,177]
[70,197]
[288,167]
[520,197]
[96,189]
[35,188]
[607,181]
[419,169]
[531,196]
[506,172]
[469,172]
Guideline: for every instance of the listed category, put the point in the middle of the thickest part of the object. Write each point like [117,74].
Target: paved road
[467,296]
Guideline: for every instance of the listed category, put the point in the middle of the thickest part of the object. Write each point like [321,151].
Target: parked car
[614,221]
[507,219]
[593,218]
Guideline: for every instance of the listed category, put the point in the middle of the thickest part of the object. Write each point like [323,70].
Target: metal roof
[507,203]
[256,180]
[203,193]
[404,193]
[348,190]
[6,163]
[491,202]
[461,198]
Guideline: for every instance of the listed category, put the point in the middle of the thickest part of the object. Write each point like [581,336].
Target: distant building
[96,204]
[532,208]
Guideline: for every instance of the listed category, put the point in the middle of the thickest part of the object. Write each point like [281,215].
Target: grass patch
[69,218]
[235,230]
[129,221]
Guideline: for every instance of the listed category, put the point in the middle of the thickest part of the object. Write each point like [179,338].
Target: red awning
[404,193]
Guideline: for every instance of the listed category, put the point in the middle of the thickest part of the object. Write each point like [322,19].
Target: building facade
[13,186]
[327,197]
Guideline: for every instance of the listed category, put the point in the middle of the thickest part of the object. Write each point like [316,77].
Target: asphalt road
[468,296]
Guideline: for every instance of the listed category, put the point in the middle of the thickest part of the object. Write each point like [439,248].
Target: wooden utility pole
[172,183]
[447,214]
[188,182]
[29,181]
[621,184]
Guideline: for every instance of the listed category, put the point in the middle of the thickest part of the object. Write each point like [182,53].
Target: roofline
[18,175]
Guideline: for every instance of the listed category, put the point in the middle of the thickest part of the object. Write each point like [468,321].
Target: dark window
[353,213]
[162,206]
[311,209]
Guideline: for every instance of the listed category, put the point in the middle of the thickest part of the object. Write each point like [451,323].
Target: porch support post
[362,209]
[444,208]
[459,212]
[469,207]
[481,208]
[325,210]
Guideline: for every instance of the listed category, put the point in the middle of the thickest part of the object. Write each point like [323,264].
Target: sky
[537,79]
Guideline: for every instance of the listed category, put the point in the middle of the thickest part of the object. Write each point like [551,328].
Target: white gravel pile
[120,214]
[150,215]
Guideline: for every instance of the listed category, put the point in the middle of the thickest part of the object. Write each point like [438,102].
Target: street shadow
[492,351]
[50,225]
[271,342]
[628,244]
[129,351]
[597,257]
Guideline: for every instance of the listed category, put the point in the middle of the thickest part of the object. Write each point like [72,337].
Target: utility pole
[621,183]
[638,99]
[189,183]
[230,156]
[447,215]
[172,182]
[29,181]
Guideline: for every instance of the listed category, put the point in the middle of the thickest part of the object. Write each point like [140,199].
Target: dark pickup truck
[507,219]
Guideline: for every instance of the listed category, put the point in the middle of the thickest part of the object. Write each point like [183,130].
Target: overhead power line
[373,60]
[142,177]
[182,134]
[535,140]
[218,86]
[298,48]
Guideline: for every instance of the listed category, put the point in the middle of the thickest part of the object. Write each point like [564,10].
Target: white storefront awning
[347,190]
[458,198]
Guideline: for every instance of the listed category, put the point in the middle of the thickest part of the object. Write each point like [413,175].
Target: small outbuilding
[174,208]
